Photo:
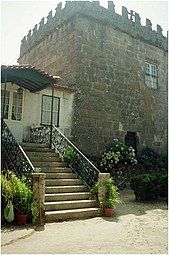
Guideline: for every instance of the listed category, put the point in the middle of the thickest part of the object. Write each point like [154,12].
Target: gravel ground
[137,228]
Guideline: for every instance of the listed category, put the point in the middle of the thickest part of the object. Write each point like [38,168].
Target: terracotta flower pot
[108,212]
[21,218]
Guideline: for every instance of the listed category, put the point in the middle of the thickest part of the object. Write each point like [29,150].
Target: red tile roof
[29,67]
[34,80]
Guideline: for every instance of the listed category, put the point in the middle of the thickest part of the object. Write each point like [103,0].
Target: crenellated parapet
[128,22]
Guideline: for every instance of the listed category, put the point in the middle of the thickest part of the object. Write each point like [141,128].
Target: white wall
[32,111]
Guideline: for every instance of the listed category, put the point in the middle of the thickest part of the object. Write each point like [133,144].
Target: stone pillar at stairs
[38,187]
[102,188]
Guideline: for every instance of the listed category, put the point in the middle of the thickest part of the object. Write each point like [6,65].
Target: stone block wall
[52,46]
[114,98]
[103,54]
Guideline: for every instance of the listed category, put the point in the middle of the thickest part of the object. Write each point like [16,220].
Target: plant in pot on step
[22,198]
[112,197]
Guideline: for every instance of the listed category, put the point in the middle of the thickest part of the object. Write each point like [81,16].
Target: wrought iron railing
[40,135]
[86,171]
[17,160]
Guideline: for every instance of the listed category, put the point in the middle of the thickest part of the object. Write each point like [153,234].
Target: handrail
[76,149]
[85,170]
[88,172]
[17,159]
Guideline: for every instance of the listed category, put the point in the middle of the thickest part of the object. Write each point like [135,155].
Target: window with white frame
[17,105]
[46,110]
[151,75]
[6,106]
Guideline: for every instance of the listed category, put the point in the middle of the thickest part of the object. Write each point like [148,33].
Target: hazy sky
[18,17]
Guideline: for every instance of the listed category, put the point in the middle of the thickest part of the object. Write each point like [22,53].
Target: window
[17,105]
[46,110]
[6,109]
[151,75]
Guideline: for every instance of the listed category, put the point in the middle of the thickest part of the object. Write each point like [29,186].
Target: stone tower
[118,66]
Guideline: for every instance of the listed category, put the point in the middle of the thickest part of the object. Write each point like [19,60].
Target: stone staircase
[66,197]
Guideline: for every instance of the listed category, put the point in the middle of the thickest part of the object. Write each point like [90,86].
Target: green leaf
[9,211]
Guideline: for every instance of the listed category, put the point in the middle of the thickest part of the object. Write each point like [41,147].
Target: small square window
[151,75]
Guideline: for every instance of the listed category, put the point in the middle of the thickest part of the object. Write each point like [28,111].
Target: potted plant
[112,197]
[21,199]
[21,206]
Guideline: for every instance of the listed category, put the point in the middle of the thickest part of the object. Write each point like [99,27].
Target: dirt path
[137,228]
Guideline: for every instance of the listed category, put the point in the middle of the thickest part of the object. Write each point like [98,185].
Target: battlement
[128,22]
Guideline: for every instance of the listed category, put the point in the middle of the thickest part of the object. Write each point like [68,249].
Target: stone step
[41,154]
[64,205]
[66,189]
[45,159]
[35,145]
[37,149]
[62,182]
[52,216]
[56,169]
[48,164]
[67,196]
[61,176]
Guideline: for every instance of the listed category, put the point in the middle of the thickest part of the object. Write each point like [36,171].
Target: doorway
[131,139]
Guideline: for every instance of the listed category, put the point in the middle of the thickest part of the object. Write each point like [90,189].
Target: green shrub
[112,196]
[94,189]
[117,154]
[150,158]
[71,158]
[74,161]
[150,186]
[163,180]
[17,191]
[7,209]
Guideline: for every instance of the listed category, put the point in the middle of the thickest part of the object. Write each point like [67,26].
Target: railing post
[38,187]
[51,119]
[101,188]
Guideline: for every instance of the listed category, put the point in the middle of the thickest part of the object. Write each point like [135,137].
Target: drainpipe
[3,111]
[51,119]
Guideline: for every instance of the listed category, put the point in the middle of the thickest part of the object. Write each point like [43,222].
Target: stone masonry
[103,54]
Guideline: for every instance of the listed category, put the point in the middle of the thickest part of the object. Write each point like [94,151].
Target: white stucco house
[26,98]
